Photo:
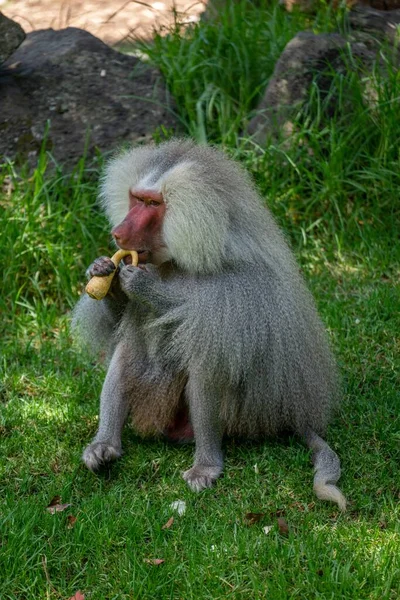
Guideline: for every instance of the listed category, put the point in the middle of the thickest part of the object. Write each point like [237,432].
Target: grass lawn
[334,188]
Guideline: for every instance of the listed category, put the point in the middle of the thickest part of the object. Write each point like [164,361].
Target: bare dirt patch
[112,21]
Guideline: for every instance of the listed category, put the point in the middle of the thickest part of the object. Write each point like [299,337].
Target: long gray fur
[228,325]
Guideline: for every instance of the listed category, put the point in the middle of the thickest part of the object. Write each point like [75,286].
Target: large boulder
[88,93]
[306,57]
[383,24]
[11,36]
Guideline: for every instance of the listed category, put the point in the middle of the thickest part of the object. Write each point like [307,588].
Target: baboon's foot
[200,477]
[97,454]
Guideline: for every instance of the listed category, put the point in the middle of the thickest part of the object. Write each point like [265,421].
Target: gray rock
[306,57]
[11,36]
[89,93]
[311,6]
[383,23]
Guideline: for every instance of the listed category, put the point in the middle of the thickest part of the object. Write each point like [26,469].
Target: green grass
[334,188]
[217,72]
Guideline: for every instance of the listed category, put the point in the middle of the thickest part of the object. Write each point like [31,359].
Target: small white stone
[267,529]
[179,506]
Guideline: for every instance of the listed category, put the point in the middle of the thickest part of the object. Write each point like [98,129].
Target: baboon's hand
[132,278]
[102,266]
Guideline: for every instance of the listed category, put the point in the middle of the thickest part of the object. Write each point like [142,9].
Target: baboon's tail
[326,469]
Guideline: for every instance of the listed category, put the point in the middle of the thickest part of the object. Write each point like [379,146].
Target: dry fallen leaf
[252,518]
[154,561]
[78,596]
[168,524]
[283,526]
[57,508]
[71,521]
[55,500]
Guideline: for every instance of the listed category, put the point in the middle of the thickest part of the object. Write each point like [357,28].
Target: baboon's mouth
[142,255]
